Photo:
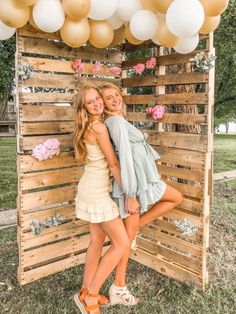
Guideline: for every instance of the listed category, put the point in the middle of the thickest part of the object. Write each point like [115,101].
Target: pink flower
[115,71]
[151,63]
[158,112]
[46,150]
[139,68]
[96,67]
[149,110]
[78,66]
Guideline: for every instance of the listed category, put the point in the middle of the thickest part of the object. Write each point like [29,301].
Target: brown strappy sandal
[102,299]
[80,302]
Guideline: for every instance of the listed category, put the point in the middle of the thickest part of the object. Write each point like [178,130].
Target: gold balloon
[119,36]
[162,5]
[214,7]
[148,5]
[101,33]
[164,36]
[13,15]
[210,24]
[76,9]
[75,33]
[24,3]
[130,38]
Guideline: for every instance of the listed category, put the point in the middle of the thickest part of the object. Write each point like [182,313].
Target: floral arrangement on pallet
[37,227]
[47,149]
[185,227]
[25,71]
[79,67]
[156,111]
[202,62]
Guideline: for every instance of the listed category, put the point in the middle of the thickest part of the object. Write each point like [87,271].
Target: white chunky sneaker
[121,295]
[134,243]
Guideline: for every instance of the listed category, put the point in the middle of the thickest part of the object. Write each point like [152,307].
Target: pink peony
[46,150]
[78,66]
[139,68]
[96,67]
[149,110]
[115,71]
[151,63]
[158,112]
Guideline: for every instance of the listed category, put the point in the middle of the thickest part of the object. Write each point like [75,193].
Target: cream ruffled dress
[93,202]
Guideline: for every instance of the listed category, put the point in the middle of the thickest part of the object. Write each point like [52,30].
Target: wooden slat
[181,173]
[41,199]
[64,159]
[187,190]
[46,97]
[167,79]
[30,31]
[176,118]
[50,178]
[195,142]
[36,128]
[176,214]
[167,99]
[29,142]
[45,113]
[192,206]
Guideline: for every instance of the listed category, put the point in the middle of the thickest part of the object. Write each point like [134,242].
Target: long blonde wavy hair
[101,89]
[83,121]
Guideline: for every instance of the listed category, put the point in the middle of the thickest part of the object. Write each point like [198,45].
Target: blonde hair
[83,121]
[101,89]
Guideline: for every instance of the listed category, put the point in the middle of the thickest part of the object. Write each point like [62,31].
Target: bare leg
[131,225]
[93,255]
[169,200]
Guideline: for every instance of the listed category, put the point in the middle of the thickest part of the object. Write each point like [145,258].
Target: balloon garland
[170,23]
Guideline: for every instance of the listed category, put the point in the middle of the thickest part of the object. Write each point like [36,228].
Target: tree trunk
[227,127]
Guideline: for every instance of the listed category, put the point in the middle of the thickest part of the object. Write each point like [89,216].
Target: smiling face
[93,102]
[112,100]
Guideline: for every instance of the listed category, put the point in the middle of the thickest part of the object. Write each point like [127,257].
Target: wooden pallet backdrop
[183,138]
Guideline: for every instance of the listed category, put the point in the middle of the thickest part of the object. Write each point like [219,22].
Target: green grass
[158,294]
[224,152]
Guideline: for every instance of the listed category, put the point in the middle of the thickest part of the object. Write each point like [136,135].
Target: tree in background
[225,89]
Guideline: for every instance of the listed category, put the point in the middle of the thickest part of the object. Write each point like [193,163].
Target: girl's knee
[98,240]
[179,198]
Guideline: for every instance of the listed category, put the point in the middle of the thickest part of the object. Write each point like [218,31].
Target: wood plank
[37,128]
[64,159]
[167,79]
[37,200]
[176,118]
[49,178]
[30,31]
[192,175]
[195,142]
[192,206]
[46,97]
[176,214]
[167,99]
[29,142]
[43,113]
[187,190]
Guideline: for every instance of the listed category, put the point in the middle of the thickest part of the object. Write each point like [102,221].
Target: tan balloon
[164,36]
[75,33]
[162,5]
[101,33]
[76,9]
[214,7]
[119,36]
[24,3]
[12,15]
[148,5]
[130,38]
[210,24]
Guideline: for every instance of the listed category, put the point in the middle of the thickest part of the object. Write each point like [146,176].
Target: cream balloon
[13,15]
[6,32]
[101,33]
[102,9]
[164,36]
[24,3]
[161,5]
[76,9]
[147,28]
[184,18]
[148,5]
[116,21]
[75,33]
[210,24]
[130,38]
[45,21]
[126,9]
[187,45]
[214,7]
[31,19]
[119,36]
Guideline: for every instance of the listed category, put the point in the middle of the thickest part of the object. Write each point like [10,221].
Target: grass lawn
[158,294]
[224,152]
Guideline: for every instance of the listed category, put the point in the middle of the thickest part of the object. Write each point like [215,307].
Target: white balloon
[48,15]
[6,32]
[127,8]
[102,9]
[143,24]
[115,21]
[184,18]
[187,45]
